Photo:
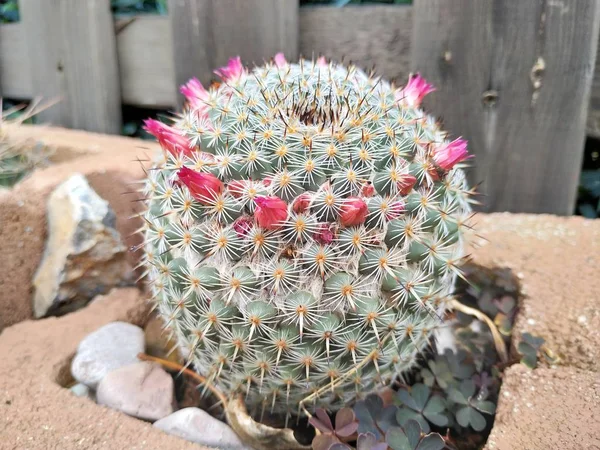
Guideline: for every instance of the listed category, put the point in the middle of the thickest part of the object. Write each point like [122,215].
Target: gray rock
[198,426]
[115,345]
[143,390]
[81,390]
[84,255]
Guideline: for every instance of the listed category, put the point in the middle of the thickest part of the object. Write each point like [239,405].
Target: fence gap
[514,78]
[73,56]
[206,33]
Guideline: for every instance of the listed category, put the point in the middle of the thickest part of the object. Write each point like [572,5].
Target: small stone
[81,390]
[115,345]
[198,426]
[84,255]
[143,390]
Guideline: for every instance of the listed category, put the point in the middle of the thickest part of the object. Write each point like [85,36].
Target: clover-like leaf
[528,348]
[368,441]
[367,411]
[418,405]
[339,446]
[324,441]
[321,421]
[468,416]
[345,426]
[459,367]
[438,373]
[345,423]
[411,437]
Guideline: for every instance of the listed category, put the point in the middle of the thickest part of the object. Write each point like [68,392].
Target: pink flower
[324,234]
[353,212]
[270,212]
[450,153]
[321,61]
[368,190]
[406,183]
[414,91]
[169,138]
[280,60]
[203,186]
[242,226]
[233,71]
[301,203]
[196,95]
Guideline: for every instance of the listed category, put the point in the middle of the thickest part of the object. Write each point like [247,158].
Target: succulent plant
[304,229]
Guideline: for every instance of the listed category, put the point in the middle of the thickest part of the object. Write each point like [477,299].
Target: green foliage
[354,2]
[18,158]
[9,11]
[530,347]
[589,194]
[124,7]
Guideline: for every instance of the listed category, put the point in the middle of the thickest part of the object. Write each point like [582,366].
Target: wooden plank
[369,36]
[73,56]
[145,52]
[510,82]
[206,33]
[15,76]
[148,76]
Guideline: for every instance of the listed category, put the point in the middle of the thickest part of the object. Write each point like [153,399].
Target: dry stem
[172,365]
[498,340]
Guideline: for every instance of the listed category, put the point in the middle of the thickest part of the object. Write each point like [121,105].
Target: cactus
[303,231]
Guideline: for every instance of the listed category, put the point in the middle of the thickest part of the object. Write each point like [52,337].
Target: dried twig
[172,365]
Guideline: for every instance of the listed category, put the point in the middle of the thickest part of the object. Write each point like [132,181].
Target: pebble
[115,345]
[81,390]
[198,426]
[143,390]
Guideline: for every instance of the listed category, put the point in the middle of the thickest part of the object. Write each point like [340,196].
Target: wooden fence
[513,77]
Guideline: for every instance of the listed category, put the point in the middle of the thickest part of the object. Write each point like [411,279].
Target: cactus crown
[303,230]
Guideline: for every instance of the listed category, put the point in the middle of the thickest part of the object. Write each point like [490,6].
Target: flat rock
[143,390]
[196,425]
[84,255]
[115,345]
[547,409]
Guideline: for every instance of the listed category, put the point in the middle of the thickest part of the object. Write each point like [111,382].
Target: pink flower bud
[406,183]
[196,95]
[415,90]
[233,71]
[242,226]
[301,203]
[169,138]
[270,212]
[280,60]
[324,234]
[203,186]
[450,153]
[353,212]
[321,61]
[395,210]
[368,190]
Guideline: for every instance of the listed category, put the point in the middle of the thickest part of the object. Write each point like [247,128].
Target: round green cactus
[303,231]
